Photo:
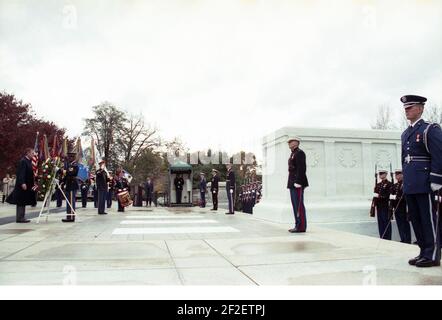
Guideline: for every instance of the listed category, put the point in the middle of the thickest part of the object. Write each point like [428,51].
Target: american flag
[35,163]
[35,157]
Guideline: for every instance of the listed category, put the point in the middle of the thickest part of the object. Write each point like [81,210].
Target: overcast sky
[244,67]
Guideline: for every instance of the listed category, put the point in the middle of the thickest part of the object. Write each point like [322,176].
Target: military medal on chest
[418,138]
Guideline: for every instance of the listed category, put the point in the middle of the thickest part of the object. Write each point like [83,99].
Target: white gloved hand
[375,195]
[393,197]
[231,191]
[297,186]
[435,187]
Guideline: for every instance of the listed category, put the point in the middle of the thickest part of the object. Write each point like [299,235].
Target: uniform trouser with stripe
[424,220]
[215,200]
[179,195]
[297,198]
[231,199]
[71,197]
[384,222]
[403,226]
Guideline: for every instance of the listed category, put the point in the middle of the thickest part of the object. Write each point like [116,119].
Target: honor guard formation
[412,194]
[416,195]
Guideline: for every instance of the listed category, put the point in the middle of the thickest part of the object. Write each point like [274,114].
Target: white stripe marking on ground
[164,217]
[132,231]
[131,222]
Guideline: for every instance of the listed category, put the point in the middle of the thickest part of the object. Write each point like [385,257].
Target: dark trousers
[231,200]
[101,201]
[120,207]
[179,194]
[423,218]
[203,199]
[20,213]
[71,197]
[109,199]
[384,222]
[403,226]
[3,198]
[95,194]
[84,198]
[215,200]
[59,198]
[297,198]
[149,201]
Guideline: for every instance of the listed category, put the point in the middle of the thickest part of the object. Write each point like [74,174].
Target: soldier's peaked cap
[294,139]
[383,171]
[411,100]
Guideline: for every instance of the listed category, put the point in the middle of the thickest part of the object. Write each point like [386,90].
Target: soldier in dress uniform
[179,186]
[241,197]
[203,189]
[121,184]
[231,188]
[71,186]
[399,208]
[297,183]
[382,196]
[422,170]
[214,189]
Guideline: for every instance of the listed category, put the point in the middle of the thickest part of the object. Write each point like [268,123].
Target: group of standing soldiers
[389,203]
[250,195]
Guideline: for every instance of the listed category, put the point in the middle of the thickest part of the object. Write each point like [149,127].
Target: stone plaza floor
[195,246]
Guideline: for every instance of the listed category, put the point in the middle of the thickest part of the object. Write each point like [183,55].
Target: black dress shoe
[67,220]
[230,213]
[413,262]
[102,214]
[427,263]
[296,231]
[23,221]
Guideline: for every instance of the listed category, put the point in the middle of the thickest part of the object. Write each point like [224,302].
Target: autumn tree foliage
[18,128]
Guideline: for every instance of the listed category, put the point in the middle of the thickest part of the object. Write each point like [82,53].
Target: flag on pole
[79,150]
[55,150]
[92,158]
[35,157]
[46,153]
[64,149]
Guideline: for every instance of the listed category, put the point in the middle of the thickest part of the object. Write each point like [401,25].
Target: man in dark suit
[102,186]
[422,170]
[71,187]
[179,186]
[24,191]
[214,189]
[297,183]
[203,189]
[149,189]
[231,188]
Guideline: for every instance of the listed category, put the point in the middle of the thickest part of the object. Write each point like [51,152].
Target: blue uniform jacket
[421,157]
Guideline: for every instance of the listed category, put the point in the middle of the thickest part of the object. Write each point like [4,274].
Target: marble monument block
[340,167]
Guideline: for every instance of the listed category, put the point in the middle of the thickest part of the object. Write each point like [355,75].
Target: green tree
[105,127]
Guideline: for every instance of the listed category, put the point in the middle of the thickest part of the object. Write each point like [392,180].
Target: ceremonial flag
[55,150]
[41,152]
[79,150]
[46,153]
[92,158]
[64,151]
[35,157]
